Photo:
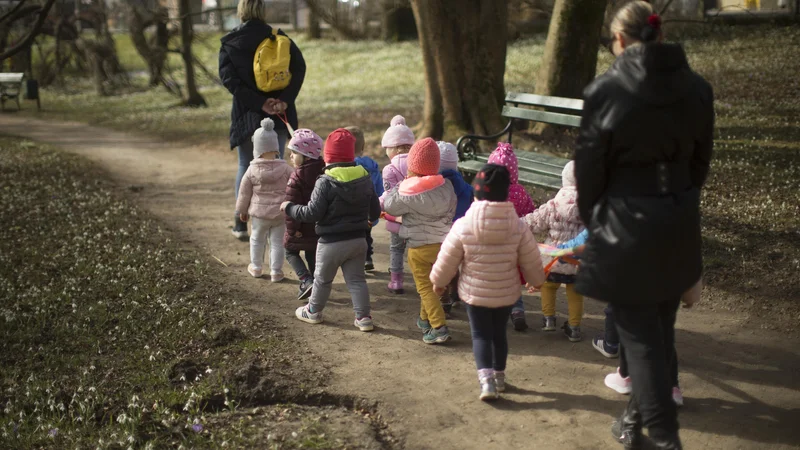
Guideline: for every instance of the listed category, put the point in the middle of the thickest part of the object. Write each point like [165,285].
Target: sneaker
[423,325]
[616,382]
[436,335]
[254,271]
[572,333]
[240,229]
[304,313]
[368,265]
[677,396]
[305,288]
[606,350]
[549,323]
[364,323]
[518,320]
[500,381]
[276,277]
[488,389]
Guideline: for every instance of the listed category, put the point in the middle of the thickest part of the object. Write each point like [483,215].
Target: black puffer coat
[236,72]
[342,205]
[643,154]
[298,191]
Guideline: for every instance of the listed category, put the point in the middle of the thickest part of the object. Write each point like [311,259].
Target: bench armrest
[467,147]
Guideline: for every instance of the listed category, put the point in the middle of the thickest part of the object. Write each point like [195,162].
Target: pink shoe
[396,285]
[677,396]
[254,271]
[616,382]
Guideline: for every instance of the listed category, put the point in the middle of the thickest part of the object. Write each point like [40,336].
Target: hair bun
[267,124]
[398,120]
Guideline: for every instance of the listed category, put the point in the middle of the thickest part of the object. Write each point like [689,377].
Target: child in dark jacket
[342,205]
[448,168]
[306,147]
[377,182]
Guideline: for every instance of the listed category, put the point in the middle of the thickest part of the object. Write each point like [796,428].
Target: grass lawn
[114,337]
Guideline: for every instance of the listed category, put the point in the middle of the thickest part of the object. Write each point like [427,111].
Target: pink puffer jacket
[489,243]
[559,218]
[393,174]
[263,188]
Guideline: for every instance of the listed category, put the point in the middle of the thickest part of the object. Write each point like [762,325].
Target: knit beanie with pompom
[397,134]
[265,139]
[423,159]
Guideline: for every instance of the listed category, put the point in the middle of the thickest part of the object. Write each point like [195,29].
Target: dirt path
[741,385]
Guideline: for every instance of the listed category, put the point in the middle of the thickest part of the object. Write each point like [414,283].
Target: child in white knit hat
[260,195]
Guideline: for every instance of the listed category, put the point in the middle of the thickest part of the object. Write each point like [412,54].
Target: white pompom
[398,120]
[267,124]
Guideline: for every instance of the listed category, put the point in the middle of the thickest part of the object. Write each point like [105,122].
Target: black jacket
[643,154]
[342,204]
[236,72]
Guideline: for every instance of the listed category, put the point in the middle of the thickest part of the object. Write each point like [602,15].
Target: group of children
[471,243]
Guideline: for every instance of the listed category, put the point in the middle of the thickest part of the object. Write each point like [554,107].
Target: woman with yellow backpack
[264,70]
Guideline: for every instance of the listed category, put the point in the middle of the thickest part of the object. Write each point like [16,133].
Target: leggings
[489,342]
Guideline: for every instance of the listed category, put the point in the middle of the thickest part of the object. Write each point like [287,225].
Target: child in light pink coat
[523,205]
[260,195]
[397,142]
[488,244]
[560,219]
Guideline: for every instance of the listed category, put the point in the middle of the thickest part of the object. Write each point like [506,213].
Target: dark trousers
[647,338]
[369,244]
[611,337]
[489,342]
[299,267]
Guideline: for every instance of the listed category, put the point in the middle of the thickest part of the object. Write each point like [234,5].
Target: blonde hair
[359,135]
[633,21]
[251,9]
[400,149]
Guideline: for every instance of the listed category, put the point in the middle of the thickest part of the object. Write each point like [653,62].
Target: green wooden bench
[10,88]
[535,169]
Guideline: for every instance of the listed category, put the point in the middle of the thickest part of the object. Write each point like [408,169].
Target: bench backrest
[11,77]
[571,117]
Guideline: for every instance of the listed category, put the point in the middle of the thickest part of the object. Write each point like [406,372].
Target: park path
[741,385]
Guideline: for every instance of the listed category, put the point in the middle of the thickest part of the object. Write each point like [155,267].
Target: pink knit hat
[397,134]
[504,155]
[423,159]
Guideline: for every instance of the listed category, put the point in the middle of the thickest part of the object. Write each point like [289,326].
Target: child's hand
[298,234]
[439,290]
[532,289]
[243,217]
[284,205]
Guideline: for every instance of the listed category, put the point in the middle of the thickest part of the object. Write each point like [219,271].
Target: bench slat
[11,77]
[573,104]
[541,116]
[533,166]
[525,177]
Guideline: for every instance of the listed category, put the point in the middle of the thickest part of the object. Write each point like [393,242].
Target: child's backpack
[271,63]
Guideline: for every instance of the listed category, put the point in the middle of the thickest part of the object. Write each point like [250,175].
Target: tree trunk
[314,30]
[194,98]
[220,17]
[293,15]
[397,21]
[153,51]
[464,66]
[570,54]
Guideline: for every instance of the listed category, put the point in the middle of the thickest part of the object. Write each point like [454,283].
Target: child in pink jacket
[397,142]
[260,195]
[489,243]
[560,219]
[523,205]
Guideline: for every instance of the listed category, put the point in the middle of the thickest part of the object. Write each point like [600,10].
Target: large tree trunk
[464,51]
[187,34]
[570,55]
[153,51]
[314,30]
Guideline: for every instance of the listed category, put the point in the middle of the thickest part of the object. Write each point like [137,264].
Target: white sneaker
[500,381]
[276,277]
[677,396]
[616,382]
[364,323]
[254,271]
[488,389]
[240,235]
[304,314]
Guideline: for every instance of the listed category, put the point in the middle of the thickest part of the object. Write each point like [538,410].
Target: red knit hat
[340,147]
[423,159]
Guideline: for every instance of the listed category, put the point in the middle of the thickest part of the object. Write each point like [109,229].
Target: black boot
[667,441]
[627,430]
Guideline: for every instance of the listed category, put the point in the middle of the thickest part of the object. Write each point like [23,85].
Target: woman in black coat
[642,157]
[250,105]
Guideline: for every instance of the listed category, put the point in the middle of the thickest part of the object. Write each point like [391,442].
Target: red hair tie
[654,21]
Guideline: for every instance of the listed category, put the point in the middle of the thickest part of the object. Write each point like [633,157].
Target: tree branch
[12,11]
[33,33]
[664,9]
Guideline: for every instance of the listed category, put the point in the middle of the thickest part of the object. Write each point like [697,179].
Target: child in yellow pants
[560,219]
[427,202]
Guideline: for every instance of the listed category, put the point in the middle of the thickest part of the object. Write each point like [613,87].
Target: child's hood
[460,186]
[401,163]
[568,175]
[351,183]
[504,156]
[368,163]
[270,167]
[491,222]
[566,204]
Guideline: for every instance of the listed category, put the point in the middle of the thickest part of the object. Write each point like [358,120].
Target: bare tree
[18,13]
[154,50]
[464,68]
[187,34]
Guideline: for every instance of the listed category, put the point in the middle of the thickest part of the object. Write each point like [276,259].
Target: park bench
[10,88]
[537,169]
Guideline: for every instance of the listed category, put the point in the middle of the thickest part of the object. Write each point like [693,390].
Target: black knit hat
[491,183]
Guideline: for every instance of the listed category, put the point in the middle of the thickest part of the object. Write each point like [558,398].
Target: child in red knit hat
[427,203]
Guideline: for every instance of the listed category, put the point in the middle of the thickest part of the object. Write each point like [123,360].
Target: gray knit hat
[265,139]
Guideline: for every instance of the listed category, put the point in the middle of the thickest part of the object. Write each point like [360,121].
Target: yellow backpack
[271,63]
